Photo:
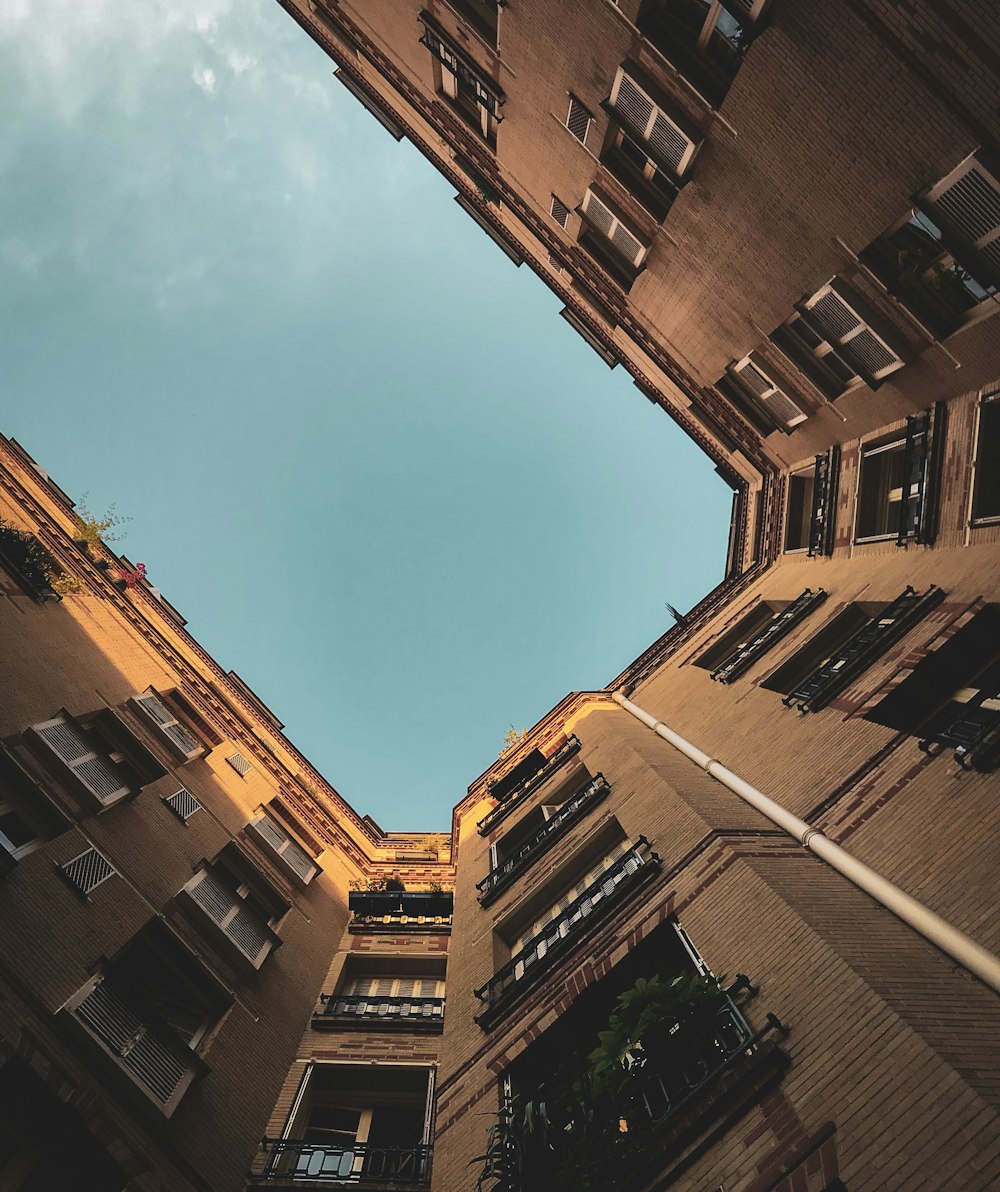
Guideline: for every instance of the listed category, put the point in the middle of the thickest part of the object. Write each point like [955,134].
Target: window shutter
[88,870]
[296,858]
[560,212]
[183,804]
[968,202]
[226,909]
[168,724]
[100,776]
[578,120]
[240,764]
[842,325]
[608,224]
[640,117]
[767,393]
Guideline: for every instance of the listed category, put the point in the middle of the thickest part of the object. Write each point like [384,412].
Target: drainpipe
[954,943]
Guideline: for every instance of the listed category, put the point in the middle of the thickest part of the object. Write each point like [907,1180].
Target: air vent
[88,870]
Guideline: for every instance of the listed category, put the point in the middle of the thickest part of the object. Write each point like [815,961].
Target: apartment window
[810,507]
[291,857]
[704,39]
[666,144]
[88,870]
[183,804]
[816,357]
[18,834]
[235,898]
[799,508]
[559,211]
[743,631]
[986,469]
[967,205]
[768,636]
[821,670]
[482,15]
[840,325]
[916,262]
[472,93]
[893,487]
[96,770]
[357,1123]
[151,1011]
[169,730]
[783,412]
[578,120]
[600,217]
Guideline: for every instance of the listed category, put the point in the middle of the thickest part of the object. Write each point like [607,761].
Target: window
[780,408]
[816,357]
[526,775]
[18,835]
[578,120]
[810,508]
[559,211]
[840,325]
[967,205]
[291,856]
[768,636]
[167,727]
[359,1123]
[472,93]
[405,987]
[183,804]
[743,631]
[482,15]
[893,487]
[88,870]
[853,655]
[664,142]
[151,1011]
[86,759]
[799,508]
[915,262]
[235,898]
[986,485]
[704,39]
[625,242]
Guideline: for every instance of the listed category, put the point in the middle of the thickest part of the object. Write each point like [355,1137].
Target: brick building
[783,220]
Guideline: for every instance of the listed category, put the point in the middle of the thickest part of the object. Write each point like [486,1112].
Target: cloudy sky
[358,448]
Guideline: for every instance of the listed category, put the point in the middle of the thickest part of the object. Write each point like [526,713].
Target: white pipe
[956,944]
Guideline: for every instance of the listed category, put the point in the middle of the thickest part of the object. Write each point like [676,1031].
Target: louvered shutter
[768,394]
[240,764]
[841,324]
[88,870]
[168,724]
[578,120]
[296,858]
[641,118]
[183,804]
[225,908]
[967,203]
[560,212]
[102,777]
[608,224]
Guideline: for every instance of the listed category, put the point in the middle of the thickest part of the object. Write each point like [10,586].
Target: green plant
[97,530]
[391,884]
[37,565]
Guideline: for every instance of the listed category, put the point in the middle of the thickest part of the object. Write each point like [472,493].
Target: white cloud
[204,77]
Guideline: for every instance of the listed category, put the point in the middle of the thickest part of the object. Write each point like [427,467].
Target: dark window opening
[819,649]
[482,15]
[742,632]
[815,356]
[986,489]
[801,487]
[896,482]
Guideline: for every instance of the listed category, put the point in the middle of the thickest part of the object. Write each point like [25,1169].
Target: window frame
[592,199]
[674,173]
[873,378]
[171,720]
[277,852]
[747,363]
[576,107]
[991,400]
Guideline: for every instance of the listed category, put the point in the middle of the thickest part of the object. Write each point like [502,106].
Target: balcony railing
[538,842]
[973,732]
[780,625]
[312,1162]
[823,514]
[559,936]
[514,797]
[419,1012]
[862,649]
[382,910]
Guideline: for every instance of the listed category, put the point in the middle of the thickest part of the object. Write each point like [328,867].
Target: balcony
[538,958]
[355,1011]
[514,787]
[295,1162]
[574,809]
[392,910]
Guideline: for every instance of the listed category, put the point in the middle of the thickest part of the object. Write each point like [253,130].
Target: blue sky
[359,449]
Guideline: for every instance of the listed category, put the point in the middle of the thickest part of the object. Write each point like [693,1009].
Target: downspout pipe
[954,943]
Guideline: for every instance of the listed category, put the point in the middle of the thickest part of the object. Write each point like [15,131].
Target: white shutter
[610,226]
[768,394]
[183,804]
[103,778]
[225,908]
[168,724]
[968,202]
[841,324]
[641,118]
[578,120]
[240,764]
[278,840]
[88,870]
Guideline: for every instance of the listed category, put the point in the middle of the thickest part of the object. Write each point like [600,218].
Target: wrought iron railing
[372,910]
[862,649]
[915,492]
[538,842]
[372,1006]
[778,627]
[565,751]
[973,732]
[451,56]
[358,1163]
[559,935]
[822,515]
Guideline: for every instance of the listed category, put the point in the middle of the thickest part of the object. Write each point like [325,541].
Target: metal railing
[823,514]
[779,626]
[572,810]
[358,1163]
[561,933]
[974,733]
[365,1006]
[862,649]
[565,751]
